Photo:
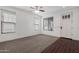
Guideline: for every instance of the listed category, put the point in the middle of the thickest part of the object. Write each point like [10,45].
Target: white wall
[24,24]
[75,24]
[57,18]
[57,22]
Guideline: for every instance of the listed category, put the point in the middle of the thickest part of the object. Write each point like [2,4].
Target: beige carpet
[33,44]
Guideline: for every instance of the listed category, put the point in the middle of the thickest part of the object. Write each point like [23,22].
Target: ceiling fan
[39,8]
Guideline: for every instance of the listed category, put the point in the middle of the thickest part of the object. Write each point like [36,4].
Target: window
[8,21]
[66,16]
[45,24]
[48,24]
[36,24]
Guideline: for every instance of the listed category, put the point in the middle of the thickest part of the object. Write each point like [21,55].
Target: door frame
[61,23]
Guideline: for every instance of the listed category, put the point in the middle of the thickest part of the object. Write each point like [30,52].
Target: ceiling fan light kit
[37,9]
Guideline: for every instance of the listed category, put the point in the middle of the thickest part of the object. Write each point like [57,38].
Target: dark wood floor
[63,46]
[32,44]
[40,43]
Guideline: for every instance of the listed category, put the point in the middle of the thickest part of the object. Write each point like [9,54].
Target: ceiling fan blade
[42,10]
[38,8]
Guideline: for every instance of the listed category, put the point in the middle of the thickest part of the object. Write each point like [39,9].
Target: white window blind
[8,24]
[36,24]
[48,24]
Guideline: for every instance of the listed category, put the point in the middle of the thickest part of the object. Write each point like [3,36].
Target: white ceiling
[48,9]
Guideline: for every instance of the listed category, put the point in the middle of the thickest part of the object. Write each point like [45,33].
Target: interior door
[66,28]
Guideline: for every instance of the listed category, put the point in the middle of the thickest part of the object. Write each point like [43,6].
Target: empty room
[39,29]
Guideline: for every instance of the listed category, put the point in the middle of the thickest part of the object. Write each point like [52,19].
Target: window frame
[36,24]
[2,21]
[48,19]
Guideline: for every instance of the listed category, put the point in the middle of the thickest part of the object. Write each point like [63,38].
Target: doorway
[66,25]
